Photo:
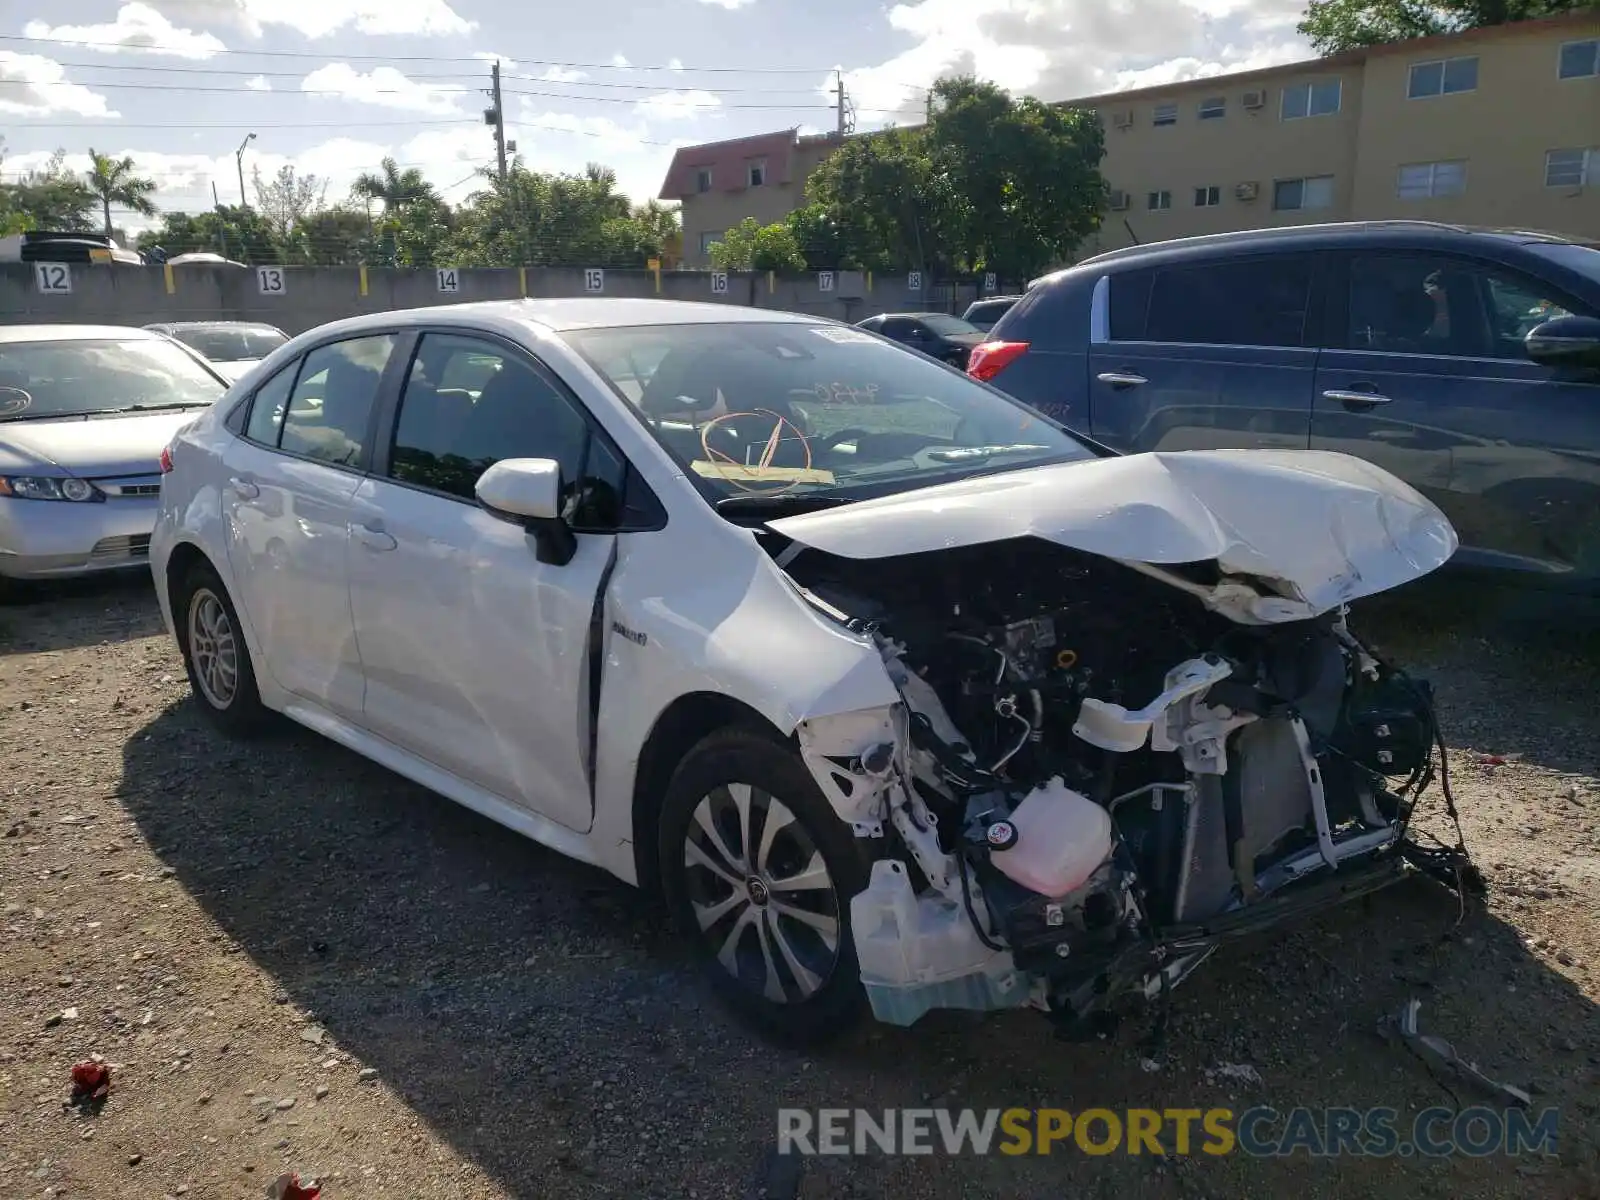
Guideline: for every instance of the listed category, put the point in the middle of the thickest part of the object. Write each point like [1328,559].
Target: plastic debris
[1234,1073]
[91,1081]
[1436,1052]
[288,1187]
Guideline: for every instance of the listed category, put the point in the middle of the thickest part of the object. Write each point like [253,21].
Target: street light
[238,159]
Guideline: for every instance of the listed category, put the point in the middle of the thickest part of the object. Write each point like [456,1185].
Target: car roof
[1322,236]
[571,313]
[163,326]
[71,333]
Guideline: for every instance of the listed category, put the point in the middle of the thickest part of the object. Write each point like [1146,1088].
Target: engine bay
[1104,774]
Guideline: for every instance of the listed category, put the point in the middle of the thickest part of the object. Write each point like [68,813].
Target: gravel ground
[297,961]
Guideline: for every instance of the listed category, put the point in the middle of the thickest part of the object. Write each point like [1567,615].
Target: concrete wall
[311,296]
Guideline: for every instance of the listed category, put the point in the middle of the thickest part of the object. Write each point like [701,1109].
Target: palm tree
[112,180]
[394,187]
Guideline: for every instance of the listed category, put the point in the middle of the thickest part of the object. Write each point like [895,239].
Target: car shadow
[538,1016]
[63,614]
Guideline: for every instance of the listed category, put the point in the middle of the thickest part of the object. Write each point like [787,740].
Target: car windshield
[1579,256]
[101,375]
[223,343]
[770,409]
[947,326]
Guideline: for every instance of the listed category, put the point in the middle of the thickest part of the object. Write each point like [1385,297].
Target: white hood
[1327,528]
[94,446]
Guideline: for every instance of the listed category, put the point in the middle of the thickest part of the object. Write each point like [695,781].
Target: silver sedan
[85,413]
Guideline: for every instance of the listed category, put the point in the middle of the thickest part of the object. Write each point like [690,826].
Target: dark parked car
[1465,361]
[939,335]
[982,314]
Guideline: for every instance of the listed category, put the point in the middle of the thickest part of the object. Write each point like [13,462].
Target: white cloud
[34,86]
[258,83]
[503,60]
[675,64]
[678,105]
[562,75]
[728,4]
[319,18]
[621,62]
[137,27]
[383,86]
[1060,49]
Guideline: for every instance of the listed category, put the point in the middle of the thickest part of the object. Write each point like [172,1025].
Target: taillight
[988,359]
[166,460]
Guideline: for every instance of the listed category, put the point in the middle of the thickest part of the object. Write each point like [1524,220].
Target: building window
[1570,168]
[1164,114]
[756,174]
[1207,197]
[1318,98]
[1443,77]
[1158,201]
[1426,181]
[1580,60]
[1289,195]
[1213,109]
[710,239]
[702,179]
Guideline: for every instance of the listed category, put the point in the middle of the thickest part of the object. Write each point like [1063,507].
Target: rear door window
[331,407]
[267,409]
[1246,302]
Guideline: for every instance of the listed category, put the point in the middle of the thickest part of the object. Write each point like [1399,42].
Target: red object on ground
[289,1187]
[91,1081]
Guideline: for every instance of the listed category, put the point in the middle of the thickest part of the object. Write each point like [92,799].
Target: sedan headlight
[45,487]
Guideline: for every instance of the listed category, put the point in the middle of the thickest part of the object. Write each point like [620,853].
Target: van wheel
[759,871]
[216,657]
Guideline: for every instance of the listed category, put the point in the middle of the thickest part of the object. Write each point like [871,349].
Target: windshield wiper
[794,503]
[162,407]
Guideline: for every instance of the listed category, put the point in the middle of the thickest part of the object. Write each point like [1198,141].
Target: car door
[476,654]
[291,480]
[1204,355]
[1428,377]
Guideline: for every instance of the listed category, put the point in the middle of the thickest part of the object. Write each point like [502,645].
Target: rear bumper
[42,539]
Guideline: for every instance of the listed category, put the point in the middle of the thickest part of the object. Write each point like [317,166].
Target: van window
[1247,302]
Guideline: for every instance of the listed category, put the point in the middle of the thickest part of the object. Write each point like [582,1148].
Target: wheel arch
[681,726]
[183,558]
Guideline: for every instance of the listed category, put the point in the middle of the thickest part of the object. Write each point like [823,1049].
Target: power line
[430,58]
[112,126]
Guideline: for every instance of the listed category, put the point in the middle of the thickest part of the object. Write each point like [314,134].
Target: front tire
[758,871]
[215,656]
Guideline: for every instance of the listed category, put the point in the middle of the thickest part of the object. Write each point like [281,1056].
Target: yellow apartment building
[1496,126]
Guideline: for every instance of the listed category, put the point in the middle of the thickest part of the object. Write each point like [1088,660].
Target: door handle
[1355,398]
[374,538]
[1121,379]
[243,488]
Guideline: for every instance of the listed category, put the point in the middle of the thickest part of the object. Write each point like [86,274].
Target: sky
[333,86]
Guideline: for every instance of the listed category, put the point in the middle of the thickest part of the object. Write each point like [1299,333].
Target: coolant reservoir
[1062,837]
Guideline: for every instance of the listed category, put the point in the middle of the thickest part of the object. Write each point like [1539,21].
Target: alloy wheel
[213,648]
[761,893]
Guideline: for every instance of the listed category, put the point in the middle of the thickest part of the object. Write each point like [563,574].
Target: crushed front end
[1100,771]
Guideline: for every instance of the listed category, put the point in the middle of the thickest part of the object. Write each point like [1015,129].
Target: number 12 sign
[54,279]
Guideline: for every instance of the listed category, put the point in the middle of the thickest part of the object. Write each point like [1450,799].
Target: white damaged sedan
[901,694]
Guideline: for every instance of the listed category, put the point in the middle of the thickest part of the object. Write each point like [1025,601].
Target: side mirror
[528,491]
[1565,342]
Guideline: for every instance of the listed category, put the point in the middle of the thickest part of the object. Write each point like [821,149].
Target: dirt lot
[296,961]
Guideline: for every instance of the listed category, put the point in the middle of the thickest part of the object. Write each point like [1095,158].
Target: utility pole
[838,93]
[496,116]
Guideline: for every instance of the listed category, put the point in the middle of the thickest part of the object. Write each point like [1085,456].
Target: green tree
[285,201]
[333,237]
[238,233]
[50,198]
[819,239]
[1025,176]
[751,246]
[881,196]
[115,181]
[1333,26]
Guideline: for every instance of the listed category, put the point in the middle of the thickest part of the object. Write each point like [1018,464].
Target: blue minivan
[1465,361]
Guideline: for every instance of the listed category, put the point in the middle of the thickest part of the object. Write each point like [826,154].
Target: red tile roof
[727,161]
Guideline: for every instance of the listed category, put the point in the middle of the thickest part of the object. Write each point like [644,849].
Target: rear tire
[215,655]
[758,871]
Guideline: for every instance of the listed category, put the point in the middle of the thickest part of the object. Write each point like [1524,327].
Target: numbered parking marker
[825,281]
[449,279]
[271,281]
[719,283]
[991,282]
[54,279]
[594,279]
[914,281]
